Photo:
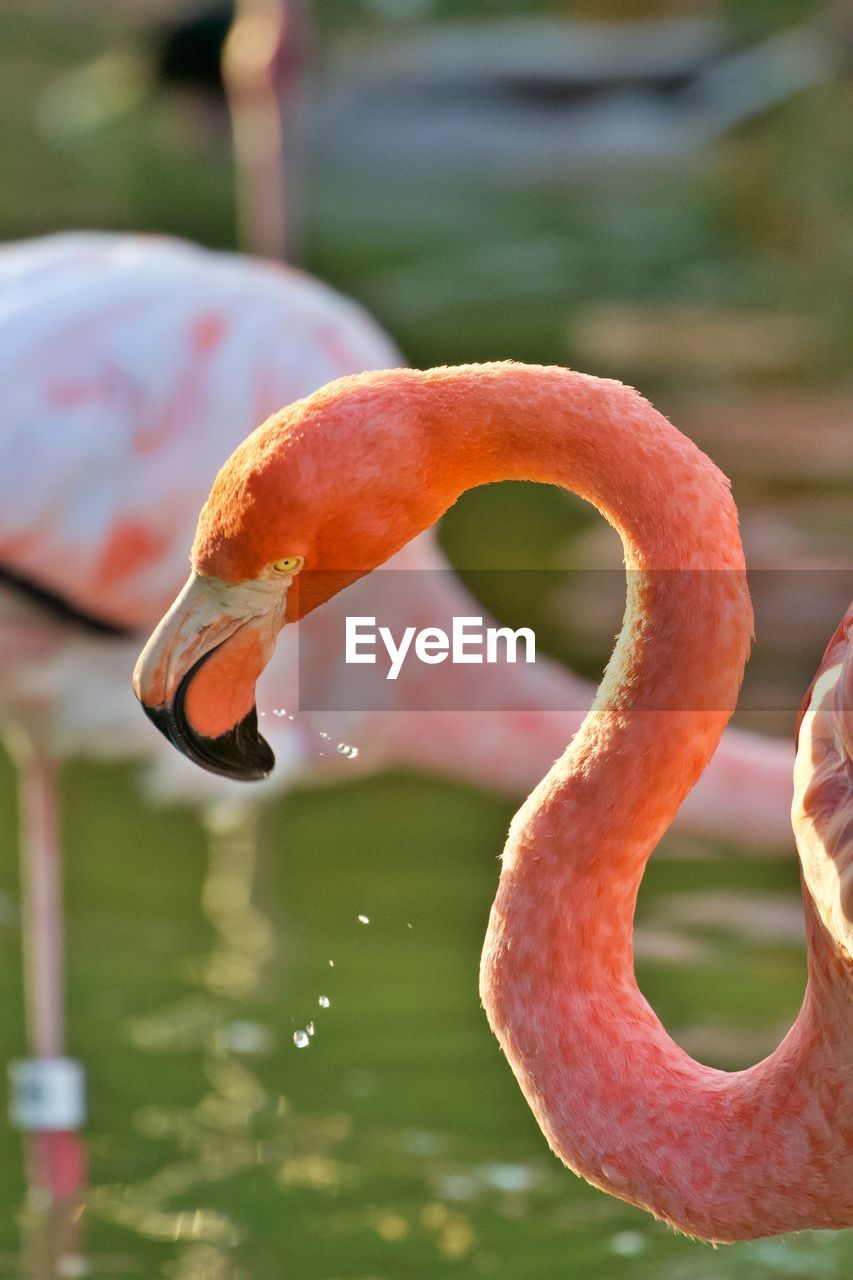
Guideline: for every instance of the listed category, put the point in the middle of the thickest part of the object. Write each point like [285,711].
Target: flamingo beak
[196,676]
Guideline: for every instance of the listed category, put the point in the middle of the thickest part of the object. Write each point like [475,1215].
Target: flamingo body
[130,365]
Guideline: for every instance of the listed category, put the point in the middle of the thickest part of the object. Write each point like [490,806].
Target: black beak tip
[160,717]
[241,753]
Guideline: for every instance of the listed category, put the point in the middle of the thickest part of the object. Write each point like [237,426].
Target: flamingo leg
[41,885]
[47,1087]
[262,66]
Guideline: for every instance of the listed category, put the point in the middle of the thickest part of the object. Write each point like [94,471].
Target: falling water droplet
[364,919]
[331,964]
[279,711]
[345,749]
[310,1028]
[301,1039]
[323,735]
[324,1002]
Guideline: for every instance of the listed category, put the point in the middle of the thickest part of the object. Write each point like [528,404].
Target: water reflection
[397,1139]
[51,1226]
[237,967]
[218,1137]
[423,1197]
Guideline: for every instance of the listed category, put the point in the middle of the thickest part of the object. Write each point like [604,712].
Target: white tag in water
[46,1093]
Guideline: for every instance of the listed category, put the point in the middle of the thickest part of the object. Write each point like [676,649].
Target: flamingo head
[314,499]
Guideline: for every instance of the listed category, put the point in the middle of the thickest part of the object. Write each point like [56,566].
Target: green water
[396,1144]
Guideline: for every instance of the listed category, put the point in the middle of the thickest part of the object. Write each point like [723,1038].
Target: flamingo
[125,359]
[719,1156]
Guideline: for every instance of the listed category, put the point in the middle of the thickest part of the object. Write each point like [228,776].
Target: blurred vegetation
[760,222]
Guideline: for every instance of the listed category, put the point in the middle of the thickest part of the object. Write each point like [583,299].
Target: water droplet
[262,713]
[364,919]
[323,735]
[279,711]
[408,926]
[301,1039]
[345,749]
[324,1001]
[310,1028]
[331,964]
[290,717]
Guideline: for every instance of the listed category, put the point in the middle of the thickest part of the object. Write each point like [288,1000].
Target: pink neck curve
[723,1156]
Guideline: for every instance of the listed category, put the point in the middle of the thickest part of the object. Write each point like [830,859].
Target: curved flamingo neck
[720,1156]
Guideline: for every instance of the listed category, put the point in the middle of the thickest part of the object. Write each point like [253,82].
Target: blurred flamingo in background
[720,1156]
[263,78]
[128,361]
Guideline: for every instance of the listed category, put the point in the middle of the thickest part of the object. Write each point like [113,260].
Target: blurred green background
[397,1144]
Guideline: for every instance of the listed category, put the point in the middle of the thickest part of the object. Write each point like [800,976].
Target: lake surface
[396,1144]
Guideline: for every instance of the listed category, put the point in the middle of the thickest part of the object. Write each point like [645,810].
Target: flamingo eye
[290,564]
